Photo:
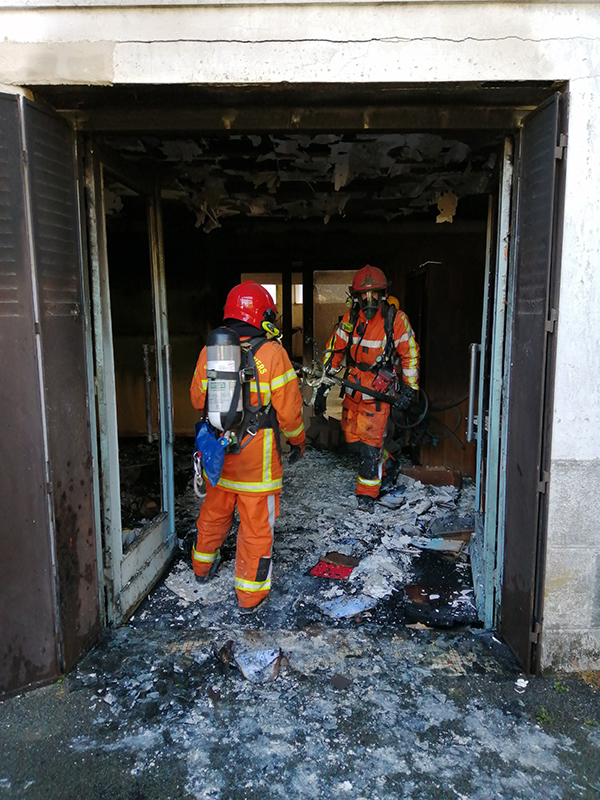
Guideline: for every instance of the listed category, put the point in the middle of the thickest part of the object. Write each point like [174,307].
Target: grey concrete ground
[357,707]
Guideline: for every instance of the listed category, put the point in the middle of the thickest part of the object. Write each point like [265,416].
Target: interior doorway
[133,382]
[322,206]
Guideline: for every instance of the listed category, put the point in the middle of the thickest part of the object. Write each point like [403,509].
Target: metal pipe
[474,350]
[148,391]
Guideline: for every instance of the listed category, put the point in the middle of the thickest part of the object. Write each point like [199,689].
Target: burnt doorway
[248,184]
[135,427]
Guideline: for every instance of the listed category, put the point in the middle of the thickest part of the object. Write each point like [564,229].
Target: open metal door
[542,148]
[135,561]
[487,374]
[49,592]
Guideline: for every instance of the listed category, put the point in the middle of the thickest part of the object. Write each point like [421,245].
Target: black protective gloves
[405,397]
[320,405]
[296,452]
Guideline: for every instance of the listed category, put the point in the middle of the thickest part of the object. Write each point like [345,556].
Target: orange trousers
[253,565]
[364,429]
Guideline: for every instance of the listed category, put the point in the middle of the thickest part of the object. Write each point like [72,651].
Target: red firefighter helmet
[250,302]
[368,278]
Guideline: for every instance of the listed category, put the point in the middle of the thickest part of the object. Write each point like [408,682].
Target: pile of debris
[408,562]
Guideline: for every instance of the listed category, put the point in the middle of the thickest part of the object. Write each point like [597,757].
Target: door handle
[474,349]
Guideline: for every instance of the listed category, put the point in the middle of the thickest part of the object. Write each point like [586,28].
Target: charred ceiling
[364,176]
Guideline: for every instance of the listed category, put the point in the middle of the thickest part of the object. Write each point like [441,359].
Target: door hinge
[534,635]
[544,483]
[551,322]
[559,150]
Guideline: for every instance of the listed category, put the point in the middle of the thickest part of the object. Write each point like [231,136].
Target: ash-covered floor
[311,697]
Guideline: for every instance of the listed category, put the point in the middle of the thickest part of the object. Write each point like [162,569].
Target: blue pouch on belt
[212,449]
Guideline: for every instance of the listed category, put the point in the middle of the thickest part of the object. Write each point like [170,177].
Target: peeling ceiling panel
[299,176]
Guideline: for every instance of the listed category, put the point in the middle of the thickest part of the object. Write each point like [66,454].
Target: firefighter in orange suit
[372,337]
[251,478]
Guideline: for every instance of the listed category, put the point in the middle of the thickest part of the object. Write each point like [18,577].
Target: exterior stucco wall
[572,588]
[443,41]
[159,43]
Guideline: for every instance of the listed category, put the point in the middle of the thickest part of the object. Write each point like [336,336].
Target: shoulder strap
[388,327]
[258,416]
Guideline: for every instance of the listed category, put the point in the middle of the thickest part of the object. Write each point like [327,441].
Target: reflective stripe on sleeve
[297,432]
[288,376]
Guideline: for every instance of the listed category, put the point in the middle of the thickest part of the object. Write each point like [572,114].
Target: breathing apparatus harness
[231,369]
[385,376]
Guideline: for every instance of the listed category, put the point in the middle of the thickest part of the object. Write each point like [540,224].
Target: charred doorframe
[374,119]
[492,407]
[127,576]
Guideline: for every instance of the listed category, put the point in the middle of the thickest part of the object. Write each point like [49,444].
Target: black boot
[366,503]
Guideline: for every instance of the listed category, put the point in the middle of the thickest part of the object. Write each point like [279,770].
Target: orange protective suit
[250,479]
[364,418]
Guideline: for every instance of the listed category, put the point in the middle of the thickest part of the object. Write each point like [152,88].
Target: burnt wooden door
[541,152]
[49,588]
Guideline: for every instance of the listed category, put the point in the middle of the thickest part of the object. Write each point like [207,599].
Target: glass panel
[331,292]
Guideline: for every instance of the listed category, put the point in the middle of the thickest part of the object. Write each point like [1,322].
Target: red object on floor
[335,571]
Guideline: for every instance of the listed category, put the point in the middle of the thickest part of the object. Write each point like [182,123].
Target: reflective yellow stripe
[288,376]
[267,455]
[297,432]
[205,558]
[265,394]
[370,343]
[366,482]
[252,586]
[264,387]
[201,383]
[411,370]
[243,486]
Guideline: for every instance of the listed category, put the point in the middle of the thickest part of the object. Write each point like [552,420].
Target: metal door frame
[127,577]
[486,549]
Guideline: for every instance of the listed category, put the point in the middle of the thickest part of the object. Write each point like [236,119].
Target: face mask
[370,303]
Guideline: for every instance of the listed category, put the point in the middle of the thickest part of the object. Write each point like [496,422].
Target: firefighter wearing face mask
[372,337]
[251,477]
